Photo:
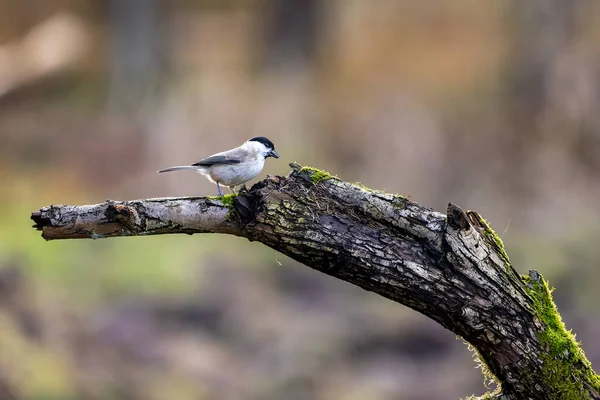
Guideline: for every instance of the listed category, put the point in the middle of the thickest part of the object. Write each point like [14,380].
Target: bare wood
[451,268]
[135,218]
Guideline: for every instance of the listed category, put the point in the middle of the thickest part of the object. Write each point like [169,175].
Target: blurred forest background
[494,107]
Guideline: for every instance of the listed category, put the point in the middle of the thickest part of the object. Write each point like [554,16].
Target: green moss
[494,238]
[316,175]
[488,376]
[565,367]
[400,197]
[368,189]
[360,185]
[487,396]
[227,199]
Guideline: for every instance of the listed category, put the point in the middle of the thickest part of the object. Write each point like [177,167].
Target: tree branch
[451,268]
[136,218]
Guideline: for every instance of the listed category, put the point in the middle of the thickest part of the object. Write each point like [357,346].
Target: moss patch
[368,189]
[565,367]
[494,238]
[227,199]
[488,376]
[487,396]
[317,175]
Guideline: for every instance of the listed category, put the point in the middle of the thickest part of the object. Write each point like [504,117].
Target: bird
[233,167]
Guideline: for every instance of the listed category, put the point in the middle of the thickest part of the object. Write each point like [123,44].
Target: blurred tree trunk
[139,47]
[291,30]
[452,268]
[542,31]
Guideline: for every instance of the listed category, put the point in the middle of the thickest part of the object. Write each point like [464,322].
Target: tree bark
[451,268]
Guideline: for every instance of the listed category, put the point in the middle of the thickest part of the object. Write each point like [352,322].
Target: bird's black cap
[263,140]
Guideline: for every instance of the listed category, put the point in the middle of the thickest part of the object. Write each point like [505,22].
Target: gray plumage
[179,168]
[218,159]
[233,167]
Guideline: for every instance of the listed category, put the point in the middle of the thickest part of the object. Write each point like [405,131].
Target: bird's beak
[274,154]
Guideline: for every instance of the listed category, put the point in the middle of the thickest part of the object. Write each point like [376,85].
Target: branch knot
[457,218]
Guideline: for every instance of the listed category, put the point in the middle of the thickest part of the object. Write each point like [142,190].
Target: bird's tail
[181,168]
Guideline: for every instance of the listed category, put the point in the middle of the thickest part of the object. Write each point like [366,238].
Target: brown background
[493,107]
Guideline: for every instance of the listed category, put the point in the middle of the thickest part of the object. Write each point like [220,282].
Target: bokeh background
[492,106]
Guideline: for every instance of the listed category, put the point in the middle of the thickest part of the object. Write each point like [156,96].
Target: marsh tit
[233,167]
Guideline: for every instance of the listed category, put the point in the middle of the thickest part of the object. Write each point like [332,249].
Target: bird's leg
[232,189]
[219,190]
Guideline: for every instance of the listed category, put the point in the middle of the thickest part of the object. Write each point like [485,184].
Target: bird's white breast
[236,174]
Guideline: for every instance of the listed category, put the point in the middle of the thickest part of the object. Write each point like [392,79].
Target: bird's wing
[218,159]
